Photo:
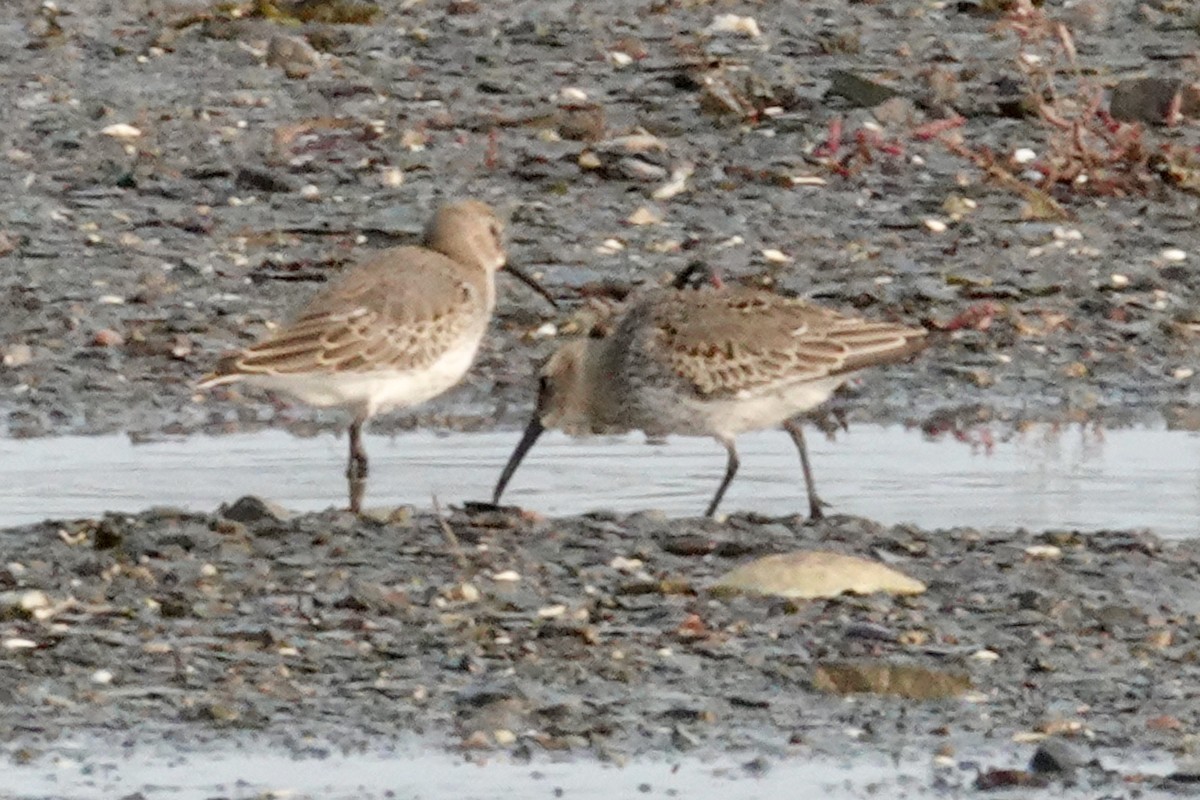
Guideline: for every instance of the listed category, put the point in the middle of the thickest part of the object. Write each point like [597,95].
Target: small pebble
[935,225]
[107,338]
[1173,254]
[391,177]
[645,216]
[18,355]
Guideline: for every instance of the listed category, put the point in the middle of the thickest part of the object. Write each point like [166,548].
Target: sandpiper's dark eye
[497,231]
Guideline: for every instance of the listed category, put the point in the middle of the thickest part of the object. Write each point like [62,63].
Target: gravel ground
[597,635]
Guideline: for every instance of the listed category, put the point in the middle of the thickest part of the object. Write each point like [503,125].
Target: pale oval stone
[33,600]
[810,575]
[776,256]
[507,576]
[1024,155]
[935,225]
[589,160]
[1047,551]
[1174,254]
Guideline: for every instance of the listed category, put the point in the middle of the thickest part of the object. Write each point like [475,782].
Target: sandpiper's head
[562,401]
[472,234]
[468,232]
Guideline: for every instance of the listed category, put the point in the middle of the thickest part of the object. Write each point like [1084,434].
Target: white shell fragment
[623,564]
[733,24]
[676,185]
[122,131]
[645,216]
[19,644]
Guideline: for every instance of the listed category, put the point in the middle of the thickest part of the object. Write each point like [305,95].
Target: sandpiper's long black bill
[527,279]
[532,432]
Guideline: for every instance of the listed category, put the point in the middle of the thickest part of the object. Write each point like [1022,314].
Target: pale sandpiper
[710,362]
[397,330]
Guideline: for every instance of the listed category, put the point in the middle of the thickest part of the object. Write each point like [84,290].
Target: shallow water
[425,775]
[1043,478]
[92,770]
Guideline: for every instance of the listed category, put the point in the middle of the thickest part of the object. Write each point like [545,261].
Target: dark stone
[1054,756]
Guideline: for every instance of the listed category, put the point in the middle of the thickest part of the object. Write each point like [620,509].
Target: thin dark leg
[814,503]
[356,469]
[731,468]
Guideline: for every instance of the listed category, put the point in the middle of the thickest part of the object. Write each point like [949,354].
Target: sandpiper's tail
[226,371]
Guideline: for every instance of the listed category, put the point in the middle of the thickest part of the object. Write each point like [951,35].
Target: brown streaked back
[399,310]
[738,340]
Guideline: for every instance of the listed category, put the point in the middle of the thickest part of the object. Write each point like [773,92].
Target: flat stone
[810,575]
[911,681]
